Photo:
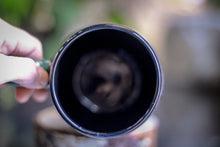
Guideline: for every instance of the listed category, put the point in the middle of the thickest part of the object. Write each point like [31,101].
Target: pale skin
[18,50]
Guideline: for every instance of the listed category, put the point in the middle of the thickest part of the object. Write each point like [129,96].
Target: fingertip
[40,95]
[23,94]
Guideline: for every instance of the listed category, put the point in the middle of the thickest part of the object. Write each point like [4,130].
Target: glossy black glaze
[111,38]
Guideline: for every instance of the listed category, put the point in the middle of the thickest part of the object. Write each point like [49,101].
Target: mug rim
[155,100]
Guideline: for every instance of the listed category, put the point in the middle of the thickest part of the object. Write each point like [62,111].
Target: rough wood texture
[53,131]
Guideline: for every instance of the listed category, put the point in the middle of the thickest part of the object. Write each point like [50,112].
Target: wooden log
[53,131]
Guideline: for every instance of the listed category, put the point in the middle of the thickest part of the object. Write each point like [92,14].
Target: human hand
[17,51]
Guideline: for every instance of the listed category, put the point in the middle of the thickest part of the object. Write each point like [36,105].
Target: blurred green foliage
[64,12]
[15,11]
[115,17]
[67,12]
[7,100]
[214,3]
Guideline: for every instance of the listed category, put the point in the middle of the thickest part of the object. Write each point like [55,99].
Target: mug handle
[45,64]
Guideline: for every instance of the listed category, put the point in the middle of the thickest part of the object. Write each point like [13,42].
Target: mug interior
[111,39]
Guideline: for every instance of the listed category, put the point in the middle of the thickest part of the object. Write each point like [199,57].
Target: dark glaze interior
[110,40]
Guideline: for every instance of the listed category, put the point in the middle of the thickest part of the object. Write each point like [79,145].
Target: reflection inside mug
[106,82]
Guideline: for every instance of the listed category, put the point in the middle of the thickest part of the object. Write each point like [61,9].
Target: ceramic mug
[105,81]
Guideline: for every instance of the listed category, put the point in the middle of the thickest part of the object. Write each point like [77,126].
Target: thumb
[23,71]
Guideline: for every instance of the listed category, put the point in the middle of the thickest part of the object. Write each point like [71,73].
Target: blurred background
[185,35]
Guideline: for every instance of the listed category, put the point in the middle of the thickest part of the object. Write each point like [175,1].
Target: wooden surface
[53,131]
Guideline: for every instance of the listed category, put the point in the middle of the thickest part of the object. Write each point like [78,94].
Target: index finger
[17,42]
